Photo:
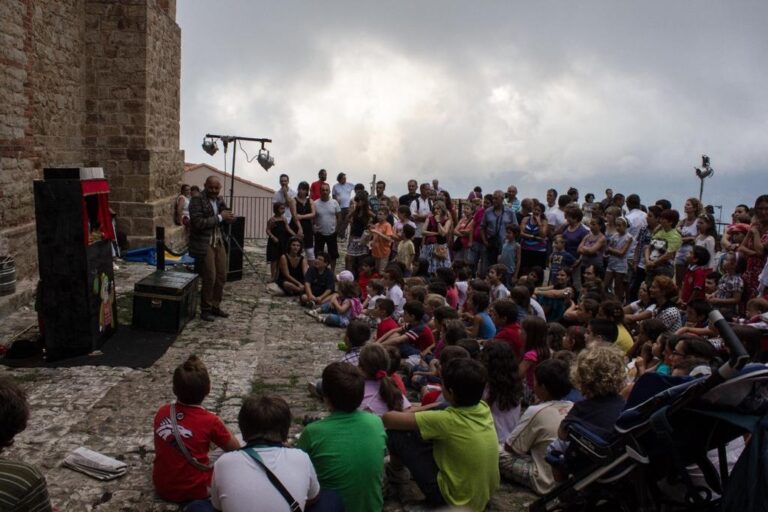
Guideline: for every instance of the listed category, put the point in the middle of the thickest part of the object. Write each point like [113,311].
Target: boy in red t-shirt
[504,315]
[696,276]
[177,479]
[415,338]
[385,308]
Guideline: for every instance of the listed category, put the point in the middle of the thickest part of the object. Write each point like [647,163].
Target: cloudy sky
[539,94]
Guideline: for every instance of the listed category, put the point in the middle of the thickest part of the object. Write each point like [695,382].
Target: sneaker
[313,313]
[321,318]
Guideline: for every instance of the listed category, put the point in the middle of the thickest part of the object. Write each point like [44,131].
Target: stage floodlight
[265,160]
[210,146]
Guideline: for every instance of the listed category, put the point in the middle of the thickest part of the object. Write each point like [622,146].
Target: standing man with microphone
[207,214]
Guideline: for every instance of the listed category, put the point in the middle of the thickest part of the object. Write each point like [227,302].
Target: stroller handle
[738,354]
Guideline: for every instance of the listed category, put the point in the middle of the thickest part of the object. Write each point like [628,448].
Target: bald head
[212,186]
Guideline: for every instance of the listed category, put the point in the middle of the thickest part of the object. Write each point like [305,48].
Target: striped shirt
[22,488]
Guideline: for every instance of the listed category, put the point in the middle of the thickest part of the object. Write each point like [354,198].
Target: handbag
[295,507]
[181,446]
[457,245]
[440,252]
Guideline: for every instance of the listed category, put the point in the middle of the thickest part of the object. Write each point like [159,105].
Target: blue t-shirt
[557,261]
[487,327]
[508,256]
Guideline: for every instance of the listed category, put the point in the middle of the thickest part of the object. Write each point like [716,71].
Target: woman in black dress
[279,232]
[303,212]
[293,266]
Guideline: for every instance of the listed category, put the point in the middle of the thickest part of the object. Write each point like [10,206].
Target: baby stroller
[668,427]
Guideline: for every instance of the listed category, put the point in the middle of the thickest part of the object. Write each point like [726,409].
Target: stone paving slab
[267,345]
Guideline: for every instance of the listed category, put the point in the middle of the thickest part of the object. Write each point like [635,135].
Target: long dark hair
[505,388]
[536,337]
[374,361]
[362,208]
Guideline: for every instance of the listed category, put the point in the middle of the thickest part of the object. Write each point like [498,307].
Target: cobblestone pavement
[267,344]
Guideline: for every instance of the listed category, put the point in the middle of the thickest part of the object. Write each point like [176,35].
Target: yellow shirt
[466,451]
[624,341]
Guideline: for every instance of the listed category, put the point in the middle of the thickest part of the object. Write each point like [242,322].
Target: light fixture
[264,158]
[704,172]
[210,146]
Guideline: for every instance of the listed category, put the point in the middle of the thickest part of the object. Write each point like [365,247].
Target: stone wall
[95,83]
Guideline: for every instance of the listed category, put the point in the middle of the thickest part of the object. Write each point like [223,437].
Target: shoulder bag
[295,507]
[182,447]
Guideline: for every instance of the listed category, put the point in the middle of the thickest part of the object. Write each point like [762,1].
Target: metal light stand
[226,139]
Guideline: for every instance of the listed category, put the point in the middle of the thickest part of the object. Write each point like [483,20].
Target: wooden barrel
[7,275]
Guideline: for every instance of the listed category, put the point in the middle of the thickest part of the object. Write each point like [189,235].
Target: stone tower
[89,83]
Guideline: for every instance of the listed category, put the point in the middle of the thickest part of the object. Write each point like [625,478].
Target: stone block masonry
[89,83]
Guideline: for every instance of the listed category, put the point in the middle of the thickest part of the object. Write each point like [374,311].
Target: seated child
[442,314]
[601,330]
[415,338]
[535,351]
[697,319]
[481,325]
[575,339]
[375,291]
[555,335]
[318,282]
[394,366]
[347,447]
[357,334]
[504,316]
[417,292]
[385,310]
[462,286]
[461,466]
[523,460]
[448,276]
[433,394]
[381,393]
[452,330]
[177,478]
[393,280]
[600,375]
[730,288]
[497,276]
[504,391]
[264,422]
[366,275]
[342,307]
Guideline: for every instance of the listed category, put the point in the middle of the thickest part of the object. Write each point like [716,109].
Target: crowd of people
[477,333]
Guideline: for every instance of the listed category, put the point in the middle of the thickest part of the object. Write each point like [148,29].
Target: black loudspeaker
[76,300]
[237,234]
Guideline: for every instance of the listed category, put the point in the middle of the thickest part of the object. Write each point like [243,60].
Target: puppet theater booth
[77,300]
[76,294]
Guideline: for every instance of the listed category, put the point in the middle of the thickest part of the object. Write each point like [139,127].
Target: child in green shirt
[347,447]
[460,466]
